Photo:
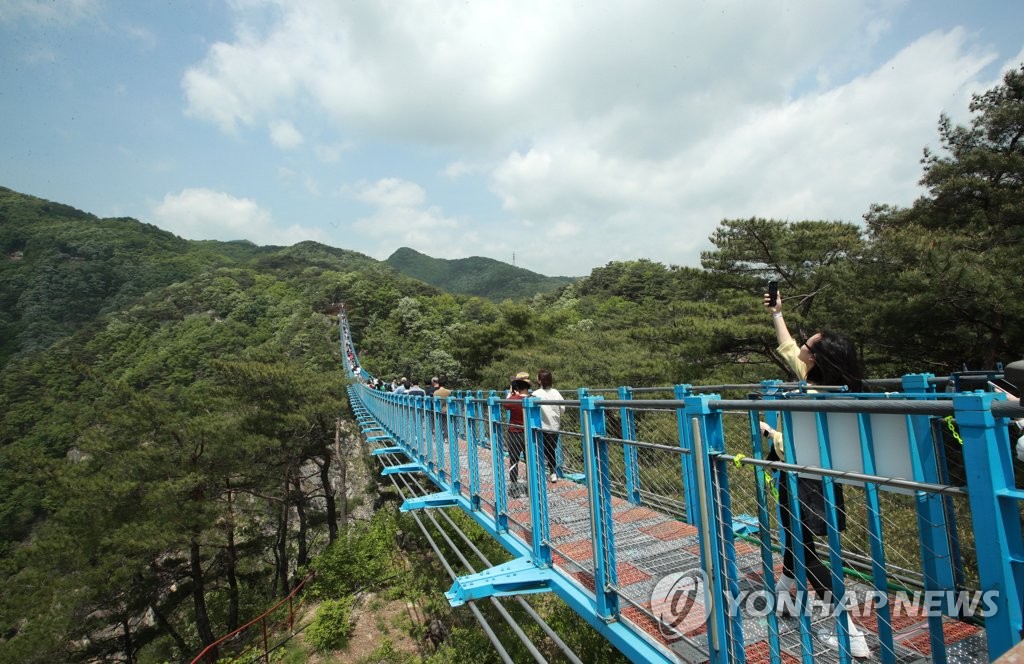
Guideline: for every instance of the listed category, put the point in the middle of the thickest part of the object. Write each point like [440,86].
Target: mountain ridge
[477,275]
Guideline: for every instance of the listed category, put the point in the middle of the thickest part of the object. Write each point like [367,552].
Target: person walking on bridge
[551,420]
[826,358]
[515,433]
[442,392]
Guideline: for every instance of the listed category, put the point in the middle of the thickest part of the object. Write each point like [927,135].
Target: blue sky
[566,133]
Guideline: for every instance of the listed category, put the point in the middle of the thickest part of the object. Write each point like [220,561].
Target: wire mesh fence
[616,510]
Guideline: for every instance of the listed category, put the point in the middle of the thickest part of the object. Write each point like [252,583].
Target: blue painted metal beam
[440,499]
[403,468]
[516,577]
[387,450]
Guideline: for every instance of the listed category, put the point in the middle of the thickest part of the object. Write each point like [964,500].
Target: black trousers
[550,447]
[515,443]
[817,573]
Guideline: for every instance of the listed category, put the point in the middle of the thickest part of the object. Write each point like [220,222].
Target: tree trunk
[179,640]
[282,541]
[300,509]
[129,657]
[342,480]
[332,510]
[199,598]
[231,555]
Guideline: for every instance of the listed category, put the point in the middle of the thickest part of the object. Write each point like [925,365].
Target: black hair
[544,376]
[836,362]
[520,385]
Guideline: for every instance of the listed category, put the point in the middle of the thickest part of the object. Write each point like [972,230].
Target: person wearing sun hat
[515,433]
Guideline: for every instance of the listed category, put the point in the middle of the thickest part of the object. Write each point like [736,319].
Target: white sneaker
[858,642]
[554,477]
[785,603]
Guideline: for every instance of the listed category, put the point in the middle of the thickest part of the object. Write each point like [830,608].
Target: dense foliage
[168,408]
[477,275]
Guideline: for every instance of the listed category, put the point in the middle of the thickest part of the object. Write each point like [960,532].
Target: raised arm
[781,331]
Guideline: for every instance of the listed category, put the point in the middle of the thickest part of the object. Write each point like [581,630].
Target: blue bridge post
[422,444]
[628,418]
[766,486]
[599,490]
[686,460]
[470,414]
[540,534]
[495,430]
[935,546]
[995,516]
[706,439]
[448,420]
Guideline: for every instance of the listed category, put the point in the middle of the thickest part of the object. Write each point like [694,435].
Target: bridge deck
[651,544]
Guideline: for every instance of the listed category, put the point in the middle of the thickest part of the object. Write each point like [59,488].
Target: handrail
[892,441]
[262,617]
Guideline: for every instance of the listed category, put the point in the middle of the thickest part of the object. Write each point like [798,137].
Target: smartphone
[1003,385]
[773,293]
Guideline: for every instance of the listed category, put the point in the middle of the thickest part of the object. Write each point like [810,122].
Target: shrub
[331,626]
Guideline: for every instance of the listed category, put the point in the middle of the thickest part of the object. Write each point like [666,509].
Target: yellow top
[790,352]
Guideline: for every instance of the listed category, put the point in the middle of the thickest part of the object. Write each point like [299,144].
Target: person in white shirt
[551,420]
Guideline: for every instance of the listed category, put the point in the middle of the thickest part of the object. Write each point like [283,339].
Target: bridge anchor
[403,468]
[440,499]
[516,577]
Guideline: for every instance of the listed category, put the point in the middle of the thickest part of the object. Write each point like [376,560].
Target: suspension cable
[570,655]
[492,637]
[497,605]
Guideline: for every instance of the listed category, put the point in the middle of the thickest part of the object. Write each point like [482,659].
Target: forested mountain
[168,408]
[485,277]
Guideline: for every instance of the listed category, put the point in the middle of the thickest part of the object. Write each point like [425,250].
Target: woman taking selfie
[824,359]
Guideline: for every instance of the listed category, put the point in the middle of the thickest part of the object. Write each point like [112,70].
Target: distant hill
[62,268]
[484,277]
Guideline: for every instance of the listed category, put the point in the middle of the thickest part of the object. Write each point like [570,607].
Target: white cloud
[204,214]
[826,155]
[483,71]
[607,131]
[284,135]
[401,218]
[391,193]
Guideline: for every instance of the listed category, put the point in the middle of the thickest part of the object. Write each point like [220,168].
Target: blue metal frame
[599,489]
[540,531]
[995,509]
[688,469]
[530,571]
[410,427]
[628,418]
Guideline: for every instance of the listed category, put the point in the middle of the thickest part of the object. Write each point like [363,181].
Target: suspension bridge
[660,527]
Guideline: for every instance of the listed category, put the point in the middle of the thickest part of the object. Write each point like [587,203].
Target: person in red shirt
[515,433]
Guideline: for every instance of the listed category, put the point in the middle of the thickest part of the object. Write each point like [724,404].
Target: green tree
[809,259]
[947,269]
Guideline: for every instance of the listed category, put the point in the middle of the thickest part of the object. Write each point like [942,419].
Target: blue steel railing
[883,451]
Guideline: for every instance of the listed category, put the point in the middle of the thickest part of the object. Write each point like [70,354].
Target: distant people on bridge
[515,433]
[826,358]
[414,389]
[402,386]
[432,387]
[551,420]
